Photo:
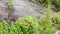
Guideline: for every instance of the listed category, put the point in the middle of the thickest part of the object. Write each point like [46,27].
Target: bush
[57,20]
[31,25]
[56,3]
[15,29]
[4,27]
[46,24]
[59,33]
[42,1]
[26,24]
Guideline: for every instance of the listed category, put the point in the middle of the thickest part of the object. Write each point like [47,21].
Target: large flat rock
[21,8]
[25,7]
[3,11]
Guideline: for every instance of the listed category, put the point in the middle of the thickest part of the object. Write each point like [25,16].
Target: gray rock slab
[21,8]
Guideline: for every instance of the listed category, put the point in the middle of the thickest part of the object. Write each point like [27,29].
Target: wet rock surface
[21,9]
[3,11]
[25,7]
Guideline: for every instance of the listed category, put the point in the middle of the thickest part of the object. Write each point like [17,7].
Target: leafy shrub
[14,29]
[9,3]
[57,20]
[31,25]
[45,24]
[56,3]
[59,33]
[26,24]
[39,1]
[43,1]
[4,27]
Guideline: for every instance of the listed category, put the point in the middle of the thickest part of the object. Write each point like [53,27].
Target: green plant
[39,1]
[59,33]
[14,29]
[9,3]
[43,1]
[56,3]
[9,9]
[26,24]
[45,24]
[4,27]
[32,25]
[57,20]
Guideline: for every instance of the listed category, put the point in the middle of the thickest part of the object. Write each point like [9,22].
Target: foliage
[9,9]
[49,16]
[31,25]
[9,3]
[26,24]
[56,3]
[43,1]
[45,26]
[4,27]
[59,33]
[57,20]
[46,22]
[15,29]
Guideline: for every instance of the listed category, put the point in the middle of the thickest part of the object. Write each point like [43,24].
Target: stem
[9,12]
